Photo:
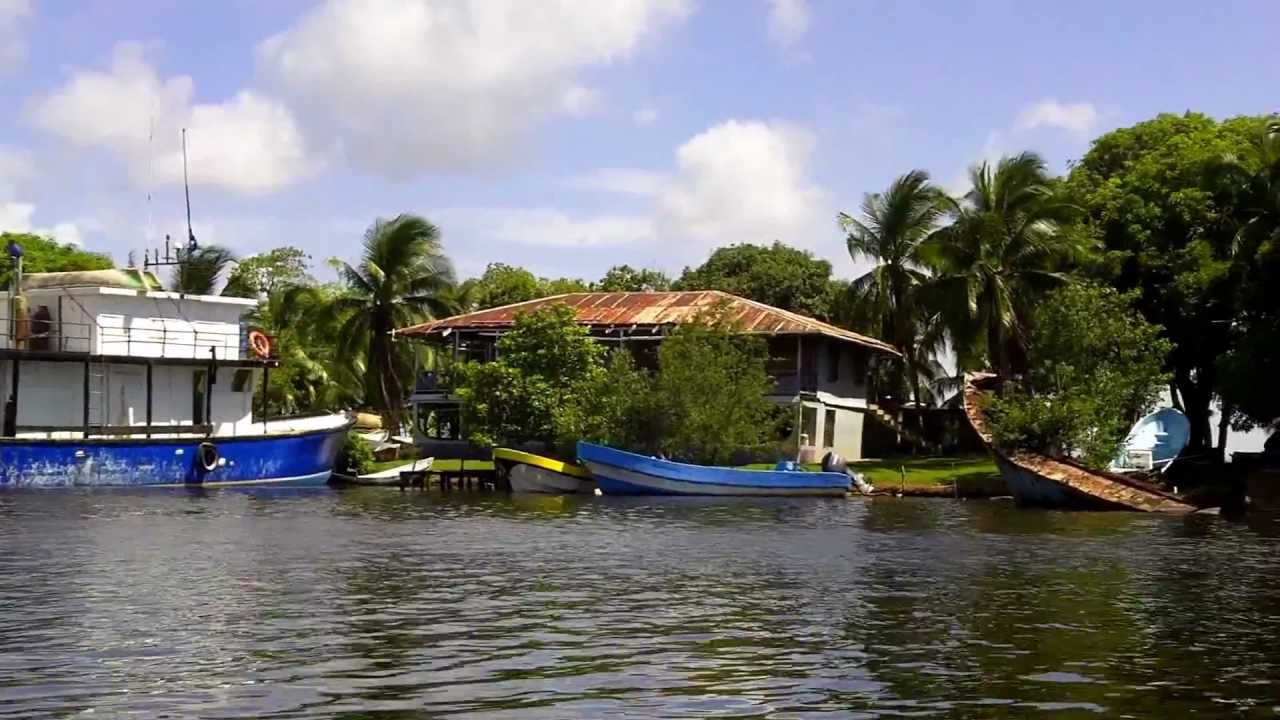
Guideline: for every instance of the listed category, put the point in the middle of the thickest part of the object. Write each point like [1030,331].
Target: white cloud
[13,44]
[788,21]
[548,227]
[645,116]
[1077,118]
[745,181]
[623,181]
[577,100]
[460,82]
[248,144]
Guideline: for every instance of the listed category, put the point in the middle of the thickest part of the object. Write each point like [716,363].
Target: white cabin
[99,353]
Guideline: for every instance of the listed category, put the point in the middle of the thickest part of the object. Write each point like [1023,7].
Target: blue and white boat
[618,472]
[106,379]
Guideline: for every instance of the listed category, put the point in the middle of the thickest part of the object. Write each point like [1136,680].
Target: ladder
[98,389]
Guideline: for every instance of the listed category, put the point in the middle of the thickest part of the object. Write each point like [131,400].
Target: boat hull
[527,472]
[531,479]
[293,459]
[1040,481]
[623,473]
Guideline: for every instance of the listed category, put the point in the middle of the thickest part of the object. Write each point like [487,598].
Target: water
[370,603]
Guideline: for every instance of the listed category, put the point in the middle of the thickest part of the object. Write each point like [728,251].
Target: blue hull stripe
[292,459]
[619,472]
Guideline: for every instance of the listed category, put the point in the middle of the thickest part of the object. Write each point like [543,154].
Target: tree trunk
[1224,427]
[1196,403]
[1174,397]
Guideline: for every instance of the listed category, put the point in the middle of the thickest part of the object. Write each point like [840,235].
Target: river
[372,603]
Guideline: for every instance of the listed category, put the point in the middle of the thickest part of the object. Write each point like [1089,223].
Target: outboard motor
[832,462]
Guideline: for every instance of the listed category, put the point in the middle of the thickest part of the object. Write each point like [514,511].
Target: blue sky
[570,136]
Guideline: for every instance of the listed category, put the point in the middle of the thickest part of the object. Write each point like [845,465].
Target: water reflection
[375,602]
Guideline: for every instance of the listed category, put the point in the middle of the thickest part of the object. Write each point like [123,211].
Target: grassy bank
[970,475]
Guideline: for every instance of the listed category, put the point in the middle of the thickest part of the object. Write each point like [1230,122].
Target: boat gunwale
[541,461]
[162,438]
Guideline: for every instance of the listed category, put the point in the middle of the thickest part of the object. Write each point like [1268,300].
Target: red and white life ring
[260,344]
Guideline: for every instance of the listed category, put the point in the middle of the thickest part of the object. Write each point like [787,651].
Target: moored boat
[618,472]
[108,379]
[1042,481]
[530,473]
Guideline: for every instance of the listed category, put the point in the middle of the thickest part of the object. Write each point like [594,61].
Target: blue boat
[618,472]
[107,379]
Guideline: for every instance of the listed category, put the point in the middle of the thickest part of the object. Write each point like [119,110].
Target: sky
[569,136]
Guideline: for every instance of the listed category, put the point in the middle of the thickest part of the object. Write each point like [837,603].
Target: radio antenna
[186,188]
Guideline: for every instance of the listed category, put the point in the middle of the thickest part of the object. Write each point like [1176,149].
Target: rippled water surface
[373,603]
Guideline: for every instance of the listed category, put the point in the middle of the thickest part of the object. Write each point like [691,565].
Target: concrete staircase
[887,419]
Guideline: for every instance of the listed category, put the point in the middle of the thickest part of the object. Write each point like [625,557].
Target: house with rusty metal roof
[822,369]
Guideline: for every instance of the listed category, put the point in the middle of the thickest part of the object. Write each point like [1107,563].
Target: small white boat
[390,476]
[530,473]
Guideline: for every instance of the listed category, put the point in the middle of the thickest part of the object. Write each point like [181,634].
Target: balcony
[791,384]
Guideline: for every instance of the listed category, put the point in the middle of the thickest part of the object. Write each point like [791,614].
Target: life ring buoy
[260,344]
[208,456]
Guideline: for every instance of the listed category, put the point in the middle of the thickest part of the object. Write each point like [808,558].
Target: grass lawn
[974,474]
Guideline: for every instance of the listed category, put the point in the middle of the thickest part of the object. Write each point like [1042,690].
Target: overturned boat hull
[1041,481]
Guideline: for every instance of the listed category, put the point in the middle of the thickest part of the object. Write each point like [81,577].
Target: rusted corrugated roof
[606,310]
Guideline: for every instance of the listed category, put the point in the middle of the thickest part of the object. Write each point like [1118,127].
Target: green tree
[779,275]
[561,286]
[503,284]
[624,278]
[1160,200]
[887,299]
[518,397]
[402,279]
[1249,369]
[1005,246]
[313,374]
[199,270]
[262,274]
[612,405]
[42,254]
[1095,367]
[711,389]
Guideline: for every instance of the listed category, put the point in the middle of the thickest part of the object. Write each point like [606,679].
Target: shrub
[1095,368]
[356,456]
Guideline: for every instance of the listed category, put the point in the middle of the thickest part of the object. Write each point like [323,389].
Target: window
[829,429]
[243,380]
[833,361]
[808,424]
[198,397]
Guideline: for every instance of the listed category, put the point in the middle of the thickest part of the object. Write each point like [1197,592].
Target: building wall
[830,428]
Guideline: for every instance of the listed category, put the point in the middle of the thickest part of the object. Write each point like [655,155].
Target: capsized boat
[1154,442]
[618,472]
[530,473]
[1043,481]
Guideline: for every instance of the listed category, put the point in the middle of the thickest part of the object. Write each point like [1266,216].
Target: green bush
[355,457]
[1095,367]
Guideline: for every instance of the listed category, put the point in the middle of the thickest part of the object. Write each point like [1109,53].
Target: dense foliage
[1095,367]
[710,392]
[777,275]
[624,278]
[1162,196]
[201,270]
[518,397]
[41,254]
[554,385]
[401,279]
[263,274]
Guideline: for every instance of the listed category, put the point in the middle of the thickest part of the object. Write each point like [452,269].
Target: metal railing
[132,337]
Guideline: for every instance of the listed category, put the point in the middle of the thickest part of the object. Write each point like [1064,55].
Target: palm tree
[1005,245]
[893,226]
[402,278]
[200,269]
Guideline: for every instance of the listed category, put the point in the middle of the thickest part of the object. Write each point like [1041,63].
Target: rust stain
[604,311]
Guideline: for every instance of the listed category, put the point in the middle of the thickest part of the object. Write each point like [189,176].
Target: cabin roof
[647,311]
